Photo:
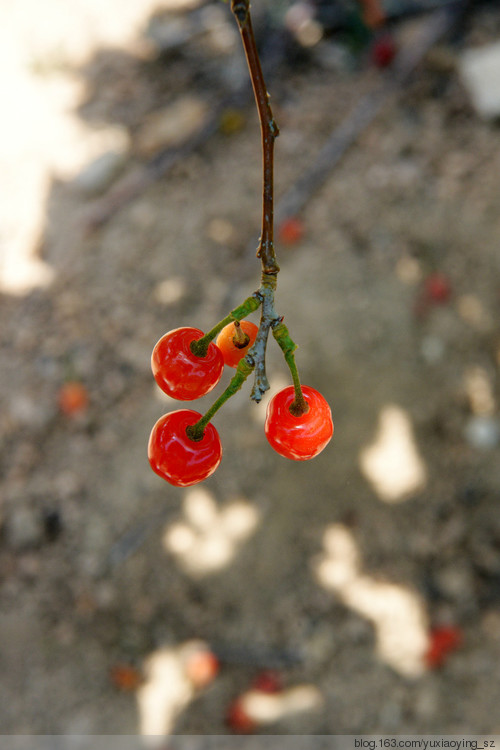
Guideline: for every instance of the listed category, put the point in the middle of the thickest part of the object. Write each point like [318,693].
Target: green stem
[200,347]
[258,351]
[245,367]
[288,347]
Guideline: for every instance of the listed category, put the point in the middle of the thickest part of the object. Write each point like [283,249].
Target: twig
[269,129]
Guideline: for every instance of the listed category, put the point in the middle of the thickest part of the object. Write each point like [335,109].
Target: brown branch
[270,131]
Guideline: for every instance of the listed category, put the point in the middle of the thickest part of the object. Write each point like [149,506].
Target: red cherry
[301,437]
[291,230]
[383,51]
[177,458]
[226,341]
[180,373]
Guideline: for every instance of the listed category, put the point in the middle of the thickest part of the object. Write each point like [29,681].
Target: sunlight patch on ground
[397,614]
[265,708]
[392,463]
[208,537]
[167,689]
[42,137]
[165,693]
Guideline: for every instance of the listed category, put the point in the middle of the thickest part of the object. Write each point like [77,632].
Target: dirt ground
[334,572]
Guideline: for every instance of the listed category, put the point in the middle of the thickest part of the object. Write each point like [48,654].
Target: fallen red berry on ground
[267,681]
[73,398]
[443,640]
[238,720]
[437,288]
[383,51]
[125,677]
[232,351]
[177,458]
[180,373]
[303,437]
[291,230]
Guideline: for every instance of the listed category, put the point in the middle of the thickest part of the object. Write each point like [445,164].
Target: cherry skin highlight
[232,352]
[177,458]
[299,438]
[178,371]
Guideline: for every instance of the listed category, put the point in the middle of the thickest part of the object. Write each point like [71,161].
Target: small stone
[170,291]
[333,56]
[171,126]
[106,596]
[25,411]
[456,582]
[24,529]
[97,176]
[480,72]
[432,349]
[482,432]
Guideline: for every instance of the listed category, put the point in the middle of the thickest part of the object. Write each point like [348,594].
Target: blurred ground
[335,572]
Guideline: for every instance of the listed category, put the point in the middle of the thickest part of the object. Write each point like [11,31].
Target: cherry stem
[240,338]
[299,406]
[258,350]
[269,130]
[200,346]
[245,367]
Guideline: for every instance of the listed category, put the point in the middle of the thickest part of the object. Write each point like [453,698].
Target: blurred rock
[27,411]
[480,73]
[97,176]
[456,582]
[24,528]
[482,432]
[432,349]
[333,56]
[171,126]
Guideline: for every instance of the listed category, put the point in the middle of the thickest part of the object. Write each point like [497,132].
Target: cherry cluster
[184,447]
